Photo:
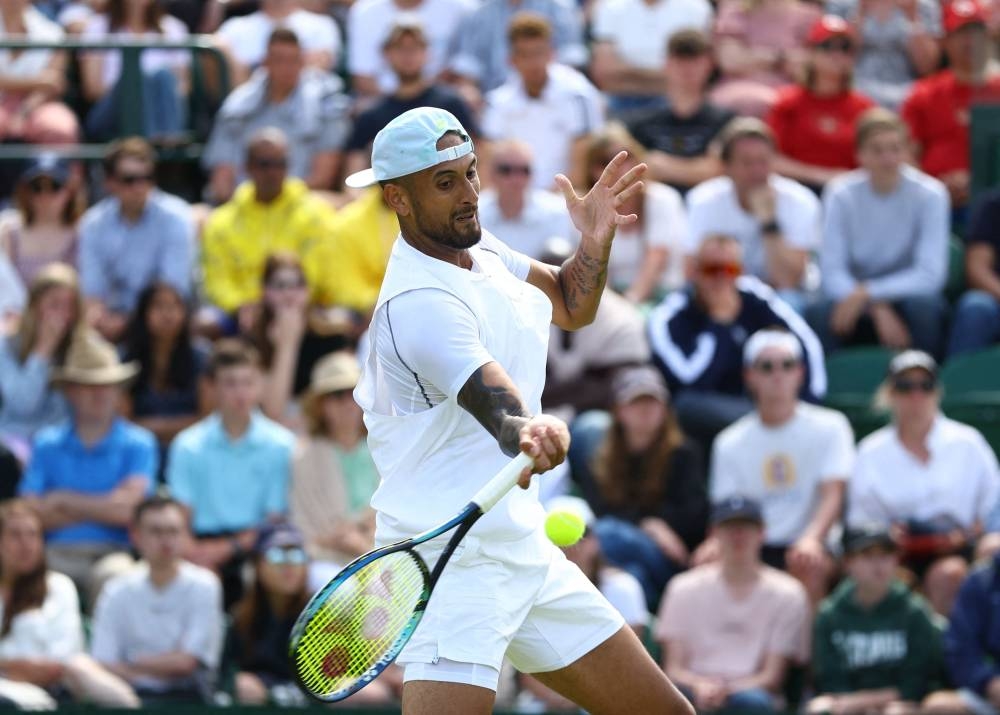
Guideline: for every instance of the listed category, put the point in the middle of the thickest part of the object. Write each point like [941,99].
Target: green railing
[131,106]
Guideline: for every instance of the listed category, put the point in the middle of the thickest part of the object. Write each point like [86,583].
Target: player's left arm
[575,288]
[491,397]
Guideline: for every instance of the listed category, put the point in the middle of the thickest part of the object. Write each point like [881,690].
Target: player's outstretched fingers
[610,174]
[628,193]
[630,177]
[566,186]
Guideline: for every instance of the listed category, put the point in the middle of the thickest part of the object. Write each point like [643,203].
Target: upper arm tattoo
[581,277]
[491,397]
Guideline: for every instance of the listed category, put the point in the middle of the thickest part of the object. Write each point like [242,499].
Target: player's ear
[397,198]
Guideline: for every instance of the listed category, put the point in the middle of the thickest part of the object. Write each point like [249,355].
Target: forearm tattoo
[582,279]
[497,407]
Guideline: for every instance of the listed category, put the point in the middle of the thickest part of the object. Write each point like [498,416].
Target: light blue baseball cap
[408,144]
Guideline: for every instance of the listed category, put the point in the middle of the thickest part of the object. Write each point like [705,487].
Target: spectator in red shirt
[937,109]
[813,122]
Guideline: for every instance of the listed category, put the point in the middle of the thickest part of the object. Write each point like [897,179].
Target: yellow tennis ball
[564,528]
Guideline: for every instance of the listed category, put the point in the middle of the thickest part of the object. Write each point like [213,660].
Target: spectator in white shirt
[549,106]
[246,37]
[792,457]
[885,247]
[159,626]
[647,259]
[776,220]
[41,635]
[932,479]
[369,23]
[525,216]
[629,65]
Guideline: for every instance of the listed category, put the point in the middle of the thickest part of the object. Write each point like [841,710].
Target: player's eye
[444,185]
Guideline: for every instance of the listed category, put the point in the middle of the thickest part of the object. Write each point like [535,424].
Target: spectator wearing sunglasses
[775,219]
[273,211]
[935,481]
[159,626]
[885,247]
[42,227]
[792,457]
[525,216]
[698,336]
[306,103]
[135,236]
[813,122]
[263,620]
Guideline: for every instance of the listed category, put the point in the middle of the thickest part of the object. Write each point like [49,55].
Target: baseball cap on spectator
[48,166]
[281,535]
[864,537]
[960,13]
[408,144]
[631,383]
[768,338]
[828,27]
[688,43]
[405,24]
[736,508]
[910,359]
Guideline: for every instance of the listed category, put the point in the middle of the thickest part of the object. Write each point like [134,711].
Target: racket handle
[494,490]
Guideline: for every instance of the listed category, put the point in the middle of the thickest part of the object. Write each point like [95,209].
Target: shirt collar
[70,436]
[219,435]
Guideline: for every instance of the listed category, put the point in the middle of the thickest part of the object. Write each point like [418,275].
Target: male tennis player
[451,391]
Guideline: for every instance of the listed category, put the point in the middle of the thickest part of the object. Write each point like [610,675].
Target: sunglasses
[722,270]
[513,169]
[133,179]
[269,164]
[769,366]
[286,285]
[836,46]
[905,387]
[280,556]
[45,186]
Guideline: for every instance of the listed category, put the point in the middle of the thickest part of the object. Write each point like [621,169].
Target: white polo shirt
[569,108]
[246,37]
[784,466]
[890,484]
[713,208]
[368,25]
[616,22]
[543,217]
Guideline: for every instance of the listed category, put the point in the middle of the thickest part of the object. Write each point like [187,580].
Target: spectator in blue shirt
[697,337]
[232,468]
[134,237]
[976,323]
[87,475]
[972,646]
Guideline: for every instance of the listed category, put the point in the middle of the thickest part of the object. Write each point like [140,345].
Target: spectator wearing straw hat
[87,475]
[333,476]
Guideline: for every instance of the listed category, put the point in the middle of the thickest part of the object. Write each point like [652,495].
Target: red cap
[829,26]
[959,13]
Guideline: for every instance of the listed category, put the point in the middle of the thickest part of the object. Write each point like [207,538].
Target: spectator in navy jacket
[697,337]
[972,646]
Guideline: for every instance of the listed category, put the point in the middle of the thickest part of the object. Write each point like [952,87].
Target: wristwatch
[770,227]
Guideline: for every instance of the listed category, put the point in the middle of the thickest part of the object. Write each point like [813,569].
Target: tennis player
[451,390]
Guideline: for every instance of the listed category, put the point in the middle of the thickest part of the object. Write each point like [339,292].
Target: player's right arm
[491,397]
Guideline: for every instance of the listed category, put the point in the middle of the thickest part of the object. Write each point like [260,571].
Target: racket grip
[495,489]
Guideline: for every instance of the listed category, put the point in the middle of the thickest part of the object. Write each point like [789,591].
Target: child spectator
[159,626]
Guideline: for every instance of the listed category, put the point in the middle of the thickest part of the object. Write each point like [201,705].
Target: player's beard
[456,234]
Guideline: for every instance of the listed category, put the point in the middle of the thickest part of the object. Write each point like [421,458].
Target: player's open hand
[595,215]
[545,439]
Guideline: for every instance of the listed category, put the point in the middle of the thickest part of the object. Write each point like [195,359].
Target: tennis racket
[354,628]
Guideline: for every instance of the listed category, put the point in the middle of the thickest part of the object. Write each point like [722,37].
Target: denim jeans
[162,106]
[924,316]
[975,324]
[629,548]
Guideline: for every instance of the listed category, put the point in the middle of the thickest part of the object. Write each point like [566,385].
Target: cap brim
[361,179]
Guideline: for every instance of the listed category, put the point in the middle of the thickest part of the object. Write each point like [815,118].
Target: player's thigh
[429,697]
[618,677]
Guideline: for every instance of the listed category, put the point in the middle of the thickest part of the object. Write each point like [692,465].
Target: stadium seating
[972,391]
[853,375]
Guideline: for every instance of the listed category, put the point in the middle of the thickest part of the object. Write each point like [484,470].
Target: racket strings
[359,623]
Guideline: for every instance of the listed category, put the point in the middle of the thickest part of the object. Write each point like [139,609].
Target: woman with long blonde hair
[54,313]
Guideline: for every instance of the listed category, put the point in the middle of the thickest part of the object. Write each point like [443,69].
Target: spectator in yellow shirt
[270,212]
[362,236]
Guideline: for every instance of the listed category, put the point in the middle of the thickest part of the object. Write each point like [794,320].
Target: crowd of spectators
[182,462]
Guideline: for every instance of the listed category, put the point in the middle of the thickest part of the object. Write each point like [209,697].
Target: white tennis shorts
[521,599]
